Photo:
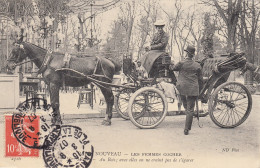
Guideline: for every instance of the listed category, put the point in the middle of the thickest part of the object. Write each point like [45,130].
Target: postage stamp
[13,147]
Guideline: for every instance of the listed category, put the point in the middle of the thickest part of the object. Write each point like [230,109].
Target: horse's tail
[117,65]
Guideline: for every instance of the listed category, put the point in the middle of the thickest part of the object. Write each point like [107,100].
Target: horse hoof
[56,123]
[106,123]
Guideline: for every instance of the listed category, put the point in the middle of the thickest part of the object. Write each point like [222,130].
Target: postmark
[32,124]
[71,149]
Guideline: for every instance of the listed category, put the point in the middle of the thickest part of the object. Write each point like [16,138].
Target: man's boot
[56,118]
[188,123]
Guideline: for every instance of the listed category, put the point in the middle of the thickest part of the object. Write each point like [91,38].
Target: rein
[92,78]
[21,63]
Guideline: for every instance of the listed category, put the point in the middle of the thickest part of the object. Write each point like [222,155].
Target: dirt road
[209,146]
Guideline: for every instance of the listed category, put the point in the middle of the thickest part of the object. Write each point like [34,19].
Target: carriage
[228,103]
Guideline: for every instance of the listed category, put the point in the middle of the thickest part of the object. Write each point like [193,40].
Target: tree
[115,45]
[229,12]
[181,26]
[207,39]
[127,20]
[144,27]
[248,30]
[230,16]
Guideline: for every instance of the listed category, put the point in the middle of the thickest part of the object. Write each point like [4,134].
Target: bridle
[19,55]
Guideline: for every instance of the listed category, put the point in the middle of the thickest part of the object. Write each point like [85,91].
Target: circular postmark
[71,149]
[32,124]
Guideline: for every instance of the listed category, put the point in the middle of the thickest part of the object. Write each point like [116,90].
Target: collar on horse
[45,62]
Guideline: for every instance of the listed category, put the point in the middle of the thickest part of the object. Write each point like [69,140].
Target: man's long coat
[190,77]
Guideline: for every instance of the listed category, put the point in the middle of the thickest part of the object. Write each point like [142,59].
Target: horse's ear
[20,40]
[16,44]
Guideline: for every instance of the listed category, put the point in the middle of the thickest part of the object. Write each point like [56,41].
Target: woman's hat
[159,23]
[190,50]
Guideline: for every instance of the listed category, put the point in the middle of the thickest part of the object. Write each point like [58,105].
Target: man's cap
[159,23]
[190,50]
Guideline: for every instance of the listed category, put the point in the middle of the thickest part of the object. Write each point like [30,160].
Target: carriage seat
[209,65]
[161,65]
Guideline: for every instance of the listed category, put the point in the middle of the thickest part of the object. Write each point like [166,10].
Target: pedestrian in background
[141,72]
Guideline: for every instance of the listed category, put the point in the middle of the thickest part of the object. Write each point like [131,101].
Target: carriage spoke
[223,117]
[232,116]
[245,102]
[228,116]
[237,113]
[241,108]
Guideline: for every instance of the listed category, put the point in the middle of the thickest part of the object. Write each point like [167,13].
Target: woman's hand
[148,48]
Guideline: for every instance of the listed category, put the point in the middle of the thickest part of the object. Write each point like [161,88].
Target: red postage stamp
[13,148]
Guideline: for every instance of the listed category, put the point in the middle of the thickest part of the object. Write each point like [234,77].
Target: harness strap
[99,63]
[256,70]
[102,76]
[46,61]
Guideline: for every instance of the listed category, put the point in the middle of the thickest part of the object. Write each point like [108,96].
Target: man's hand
[171,65]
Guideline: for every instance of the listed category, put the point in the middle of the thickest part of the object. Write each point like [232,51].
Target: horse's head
[18,54]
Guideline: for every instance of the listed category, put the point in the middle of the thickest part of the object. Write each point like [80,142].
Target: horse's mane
[59,53]
[35,46]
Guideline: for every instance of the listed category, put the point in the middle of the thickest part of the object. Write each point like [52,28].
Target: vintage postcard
[128,83]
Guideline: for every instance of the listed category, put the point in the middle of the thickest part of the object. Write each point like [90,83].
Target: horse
[100,68]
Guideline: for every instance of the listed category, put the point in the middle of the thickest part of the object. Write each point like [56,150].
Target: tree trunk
[129,33]
[250,51]
[249,40]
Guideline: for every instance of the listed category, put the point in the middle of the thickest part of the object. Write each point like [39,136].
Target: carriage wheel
[121,102]
[230,105]
[147,107]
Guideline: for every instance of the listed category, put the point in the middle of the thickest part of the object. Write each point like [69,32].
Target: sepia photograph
[130,83]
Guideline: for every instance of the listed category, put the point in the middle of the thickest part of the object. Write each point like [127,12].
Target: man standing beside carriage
[189,81]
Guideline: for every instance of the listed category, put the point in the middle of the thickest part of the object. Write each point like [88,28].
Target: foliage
[115,46]
[228,13]
[207,39]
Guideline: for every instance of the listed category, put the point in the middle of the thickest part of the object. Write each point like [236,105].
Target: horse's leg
[109,97]
[54,96]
